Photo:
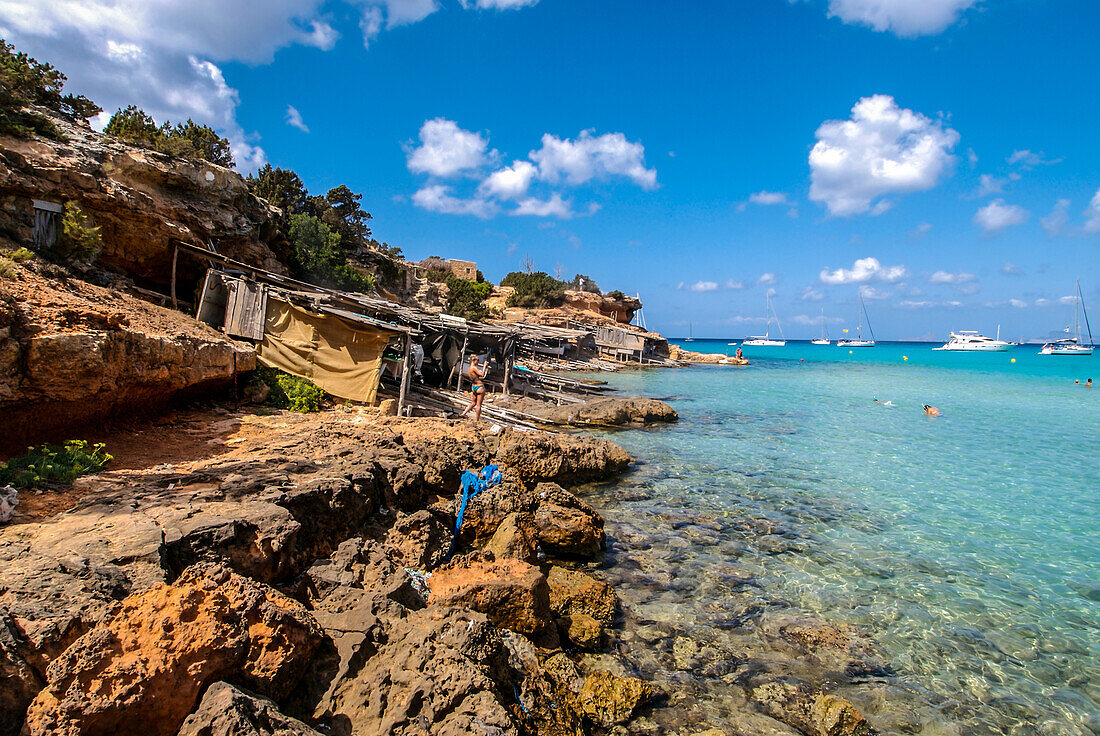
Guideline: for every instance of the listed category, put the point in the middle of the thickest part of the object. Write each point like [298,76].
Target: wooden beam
[175,257]
[461,361]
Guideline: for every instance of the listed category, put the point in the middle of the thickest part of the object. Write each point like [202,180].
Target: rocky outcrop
[72,353]
[229,711]
[284,491]
[140,200]
[144,669]
[609,412]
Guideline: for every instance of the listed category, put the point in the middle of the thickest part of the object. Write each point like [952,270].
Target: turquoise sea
[966,546]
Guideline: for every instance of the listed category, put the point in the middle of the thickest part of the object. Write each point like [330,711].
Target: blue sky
[940,155]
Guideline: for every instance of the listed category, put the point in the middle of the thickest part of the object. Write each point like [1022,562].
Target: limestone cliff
[139,198]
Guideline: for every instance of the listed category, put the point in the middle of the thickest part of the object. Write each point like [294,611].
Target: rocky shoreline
[260,564]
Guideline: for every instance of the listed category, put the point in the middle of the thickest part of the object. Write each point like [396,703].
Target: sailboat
[766,339]
[691,336]
[859,342]
[824,339]
[1072,345]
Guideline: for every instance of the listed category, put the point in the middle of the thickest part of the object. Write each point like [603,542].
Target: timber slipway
[365,348]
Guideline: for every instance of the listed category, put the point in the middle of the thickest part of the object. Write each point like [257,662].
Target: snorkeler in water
[931,410]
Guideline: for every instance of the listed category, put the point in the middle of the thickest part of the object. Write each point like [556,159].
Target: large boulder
[229,711]
[537,456]
[144,669]
[806,708]
[512,593]
[566,525]
[19,682]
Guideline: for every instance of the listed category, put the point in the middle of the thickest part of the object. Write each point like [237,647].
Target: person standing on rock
[477,386]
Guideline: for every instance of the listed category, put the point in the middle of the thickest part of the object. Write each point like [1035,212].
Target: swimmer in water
[888,402]
[931,410]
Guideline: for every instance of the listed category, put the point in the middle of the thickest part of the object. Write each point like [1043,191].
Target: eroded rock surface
[512,593]
[144,668]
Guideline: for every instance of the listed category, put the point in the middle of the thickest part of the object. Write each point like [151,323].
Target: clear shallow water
[967,546]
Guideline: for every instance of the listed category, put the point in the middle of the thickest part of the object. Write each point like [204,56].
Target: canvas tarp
[341,357]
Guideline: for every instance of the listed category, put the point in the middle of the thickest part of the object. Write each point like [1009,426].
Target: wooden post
[508,361]
[406,370]
[175,257]
[461,360]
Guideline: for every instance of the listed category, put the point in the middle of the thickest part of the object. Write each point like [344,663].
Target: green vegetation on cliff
[182,140]
[25,82]
[318,255]
[534,290]
[467,298]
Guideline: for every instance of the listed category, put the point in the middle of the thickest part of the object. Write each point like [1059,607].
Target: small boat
[973,341]
[859,342]
[1072,345]
[691,336]
[766,339]
[824,339]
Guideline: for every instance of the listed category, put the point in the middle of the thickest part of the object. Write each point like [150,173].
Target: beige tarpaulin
[341,357]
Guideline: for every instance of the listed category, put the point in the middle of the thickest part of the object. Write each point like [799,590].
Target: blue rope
[473,484]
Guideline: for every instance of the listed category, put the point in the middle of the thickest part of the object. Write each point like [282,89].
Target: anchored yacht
[973,341]
[1072,345]
[859,342]
[766,340]
[824,339]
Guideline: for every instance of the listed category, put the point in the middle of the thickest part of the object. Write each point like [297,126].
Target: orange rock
[512,593]
[143,669]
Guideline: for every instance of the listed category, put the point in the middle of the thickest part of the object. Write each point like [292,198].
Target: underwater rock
[573,592]
[609,699]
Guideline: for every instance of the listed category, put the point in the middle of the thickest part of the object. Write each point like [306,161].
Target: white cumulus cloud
[577,161]
[767,278]
[862,271]
[810,294]
[553,207]
[497,4]
[511,182]
[949,277]
[906,18]
[446,149]
[438,198]
[997,216]
[882,149]
[734,284]
[704,286]
[294,119]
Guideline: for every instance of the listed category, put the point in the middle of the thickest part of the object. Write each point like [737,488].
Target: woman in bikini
[477,386]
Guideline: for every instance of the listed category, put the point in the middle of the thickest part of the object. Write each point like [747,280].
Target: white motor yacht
[973,341]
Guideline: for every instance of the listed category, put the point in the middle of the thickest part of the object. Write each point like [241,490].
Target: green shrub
[437,275]
[581,282]
[467,298]
[53,464]
[19,255]
[534,290]
[318,255]
[79,239]
[616,295]
[290,392]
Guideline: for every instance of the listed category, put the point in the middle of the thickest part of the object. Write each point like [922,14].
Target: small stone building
[463,269]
